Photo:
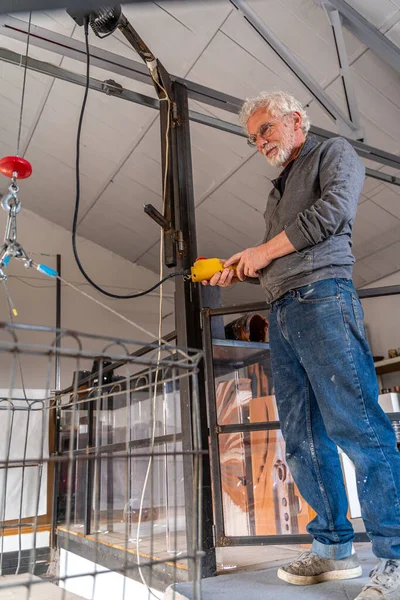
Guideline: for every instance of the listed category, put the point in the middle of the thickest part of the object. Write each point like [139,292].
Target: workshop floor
[24,587]
[264,584]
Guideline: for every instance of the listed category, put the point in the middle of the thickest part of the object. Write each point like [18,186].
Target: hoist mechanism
[16,168]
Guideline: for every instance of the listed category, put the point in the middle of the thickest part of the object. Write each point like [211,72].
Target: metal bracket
[155,214]
[112,88]
[177,236]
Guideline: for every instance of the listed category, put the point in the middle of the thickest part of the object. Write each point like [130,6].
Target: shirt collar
[309,144]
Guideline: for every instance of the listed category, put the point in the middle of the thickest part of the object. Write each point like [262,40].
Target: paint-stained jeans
[327,396]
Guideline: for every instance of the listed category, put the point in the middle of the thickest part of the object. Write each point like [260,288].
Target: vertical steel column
[89,480]
[55,418]
[187,315]
[110,477]
[169,208]
[213,424]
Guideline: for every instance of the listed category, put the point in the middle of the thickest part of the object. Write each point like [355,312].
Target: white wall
[34,294]
[103,586]
[11,542]
[382,317]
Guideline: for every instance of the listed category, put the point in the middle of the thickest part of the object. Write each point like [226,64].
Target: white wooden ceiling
[211,44]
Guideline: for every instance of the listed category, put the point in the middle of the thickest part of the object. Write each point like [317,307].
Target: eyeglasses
[264,131]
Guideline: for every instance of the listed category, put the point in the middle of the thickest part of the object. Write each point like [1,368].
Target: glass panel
[127,486]
[244,396]
[259,494]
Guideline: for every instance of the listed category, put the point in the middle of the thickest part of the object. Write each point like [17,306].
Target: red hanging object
[14,164]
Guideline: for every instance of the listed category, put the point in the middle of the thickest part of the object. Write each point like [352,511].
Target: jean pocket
[326,290]
[358,313]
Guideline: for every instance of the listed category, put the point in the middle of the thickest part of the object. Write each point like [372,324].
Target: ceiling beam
[99,86]
[115,63]
[345,125]
[368,34]
[344,68]
[27,5]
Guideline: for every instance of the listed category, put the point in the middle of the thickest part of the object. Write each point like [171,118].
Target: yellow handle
[205,268]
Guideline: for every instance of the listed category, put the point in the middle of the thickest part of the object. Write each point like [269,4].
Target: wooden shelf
[389,365]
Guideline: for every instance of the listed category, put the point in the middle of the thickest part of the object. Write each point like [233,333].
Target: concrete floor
[16,587]
[264,584]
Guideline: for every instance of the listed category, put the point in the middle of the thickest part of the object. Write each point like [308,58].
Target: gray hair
[277,103]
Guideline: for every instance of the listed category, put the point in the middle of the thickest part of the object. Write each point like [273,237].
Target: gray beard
[279,159]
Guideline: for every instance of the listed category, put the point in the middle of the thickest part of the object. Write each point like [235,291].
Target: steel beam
[43,38]
[364,150]
[109,61]
[390,290]
[344,69]
[131,96]
[345,125]
[368,34]
[27,5]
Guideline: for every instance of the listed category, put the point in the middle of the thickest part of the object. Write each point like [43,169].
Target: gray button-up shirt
[317,211]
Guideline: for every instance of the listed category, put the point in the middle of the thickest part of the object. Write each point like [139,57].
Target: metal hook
[11,201]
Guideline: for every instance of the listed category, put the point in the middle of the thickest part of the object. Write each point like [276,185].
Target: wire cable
[78,193]
[24,85]
[157,372]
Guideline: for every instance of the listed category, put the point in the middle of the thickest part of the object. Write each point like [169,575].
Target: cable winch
[204,268]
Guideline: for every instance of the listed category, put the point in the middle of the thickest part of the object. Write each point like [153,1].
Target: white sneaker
[384,583]
[311,568]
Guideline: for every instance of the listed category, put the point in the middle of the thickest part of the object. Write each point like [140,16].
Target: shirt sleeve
[341,176]
[253,280]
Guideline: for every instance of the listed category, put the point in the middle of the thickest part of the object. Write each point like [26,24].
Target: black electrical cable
[78,194]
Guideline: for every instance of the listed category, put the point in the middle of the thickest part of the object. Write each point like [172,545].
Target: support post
[188,329]
[55,419]
[89,476]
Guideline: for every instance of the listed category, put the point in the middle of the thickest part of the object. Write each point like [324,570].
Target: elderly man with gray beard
[324,377]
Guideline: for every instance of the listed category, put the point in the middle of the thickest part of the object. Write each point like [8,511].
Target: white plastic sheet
[24,494]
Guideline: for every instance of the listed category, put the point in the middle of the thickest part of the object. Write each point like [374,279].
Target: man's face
[278,142]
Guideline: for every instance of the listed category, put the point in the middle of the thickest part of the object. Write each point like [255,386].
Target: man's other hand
[250,261]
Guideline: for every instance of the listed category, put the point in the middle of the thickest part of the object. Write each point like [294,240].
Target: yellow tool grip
[205,268]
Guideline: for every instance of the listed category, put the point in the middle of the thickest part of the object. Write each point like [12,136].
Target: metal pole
[90,464]
[55,415]
[213,426]
[58,322]
[188,329]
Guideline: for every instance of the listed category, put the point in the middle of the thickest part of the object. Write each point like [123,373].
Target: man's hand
[225,278]
[250,261]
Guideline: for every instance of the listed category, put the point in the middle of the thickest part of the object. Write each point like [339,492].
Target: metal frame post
[55,417]
[89,479]
[219,523]
[187,311]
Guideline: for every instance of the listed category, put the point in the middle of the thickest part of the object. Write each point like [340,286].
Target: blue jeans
[327,396]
